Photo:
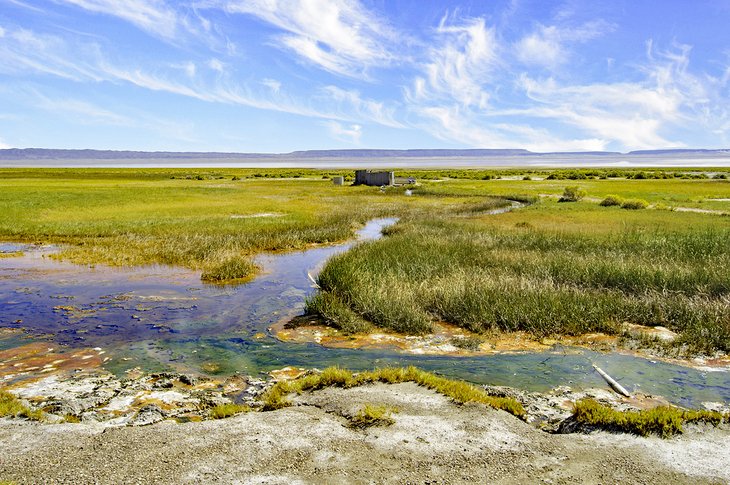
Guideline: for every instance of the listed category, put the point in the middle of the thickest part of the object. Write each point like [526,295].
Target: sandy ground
[432,441]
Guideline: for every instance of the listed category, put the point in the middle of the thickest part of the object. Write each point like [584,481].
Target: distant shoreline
[523,161]
[360,158]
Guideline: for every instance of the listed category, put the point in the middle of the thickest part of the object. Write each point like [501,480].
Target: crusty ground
[432,441]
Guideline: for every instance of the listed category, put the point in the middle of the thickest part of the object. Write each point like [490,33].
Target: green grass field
[548,268]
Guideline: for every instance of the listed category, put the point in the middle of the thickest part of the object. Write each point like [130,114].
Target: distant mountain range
[54,154]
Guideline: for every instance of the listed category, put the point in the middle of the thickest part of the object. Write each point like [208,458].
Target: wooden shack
[367,177]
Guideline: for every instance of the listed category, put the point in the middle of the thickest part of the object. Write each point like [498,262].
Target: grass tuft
[460,391]
[663,420]
[226,410]
[11,406]
[373,415]
[231,269]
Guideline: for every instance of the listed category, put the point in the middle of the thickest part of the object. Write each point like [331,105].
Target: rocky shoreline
[139,398]
[141,429]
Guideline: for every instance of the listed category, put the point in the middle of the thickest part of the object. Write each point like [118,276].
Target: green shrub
[572,194]
[634,204]
[612,200]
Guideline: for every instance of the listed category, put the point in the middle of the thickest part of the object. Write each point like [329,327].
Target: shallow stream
[163,318]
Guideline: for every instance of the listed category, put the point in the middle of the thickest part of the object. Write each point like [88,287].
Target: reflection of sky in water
[165,318]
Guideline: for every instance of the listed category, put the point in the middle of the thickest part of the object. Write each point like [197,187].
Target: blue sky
[277,75]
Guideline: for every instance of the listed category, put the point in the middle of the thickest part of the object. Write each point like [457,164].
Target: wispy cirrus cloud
[549,46]
[153,16]
[339,36]
[458,68]
[633,114]
[54,56]
[25,50]
[350,134]
[351,101]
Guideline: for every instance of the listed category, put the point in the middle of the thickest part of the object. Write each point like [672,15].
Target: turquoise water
[162,318]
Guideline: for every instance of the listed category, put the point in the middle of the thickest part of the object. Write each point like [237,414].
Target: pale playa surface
[432,439]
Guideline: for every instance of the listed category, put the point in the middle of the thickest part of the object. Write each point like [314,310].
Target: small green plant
[572,194]
[634,204]
[612,200]
[373,415]
[663,420]
[226,410]
[70,418]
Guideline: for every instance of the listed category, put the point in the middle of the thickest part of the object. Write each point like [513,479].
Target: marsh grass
[231,269]
[663,420]
[373,415]
[543,282]
[459,391]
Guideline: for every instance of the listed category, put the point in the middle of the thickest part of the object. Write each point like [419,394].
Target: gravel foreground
[432,441]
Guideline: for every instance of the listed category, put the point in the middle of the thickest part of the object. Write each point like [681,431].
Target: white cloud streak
[459,67]
[350,134]
[153,16]
[546,46]
[339,36]
[53,56]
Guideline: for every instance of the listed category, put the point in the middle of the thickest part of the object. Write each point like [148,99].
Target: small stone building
[366,177]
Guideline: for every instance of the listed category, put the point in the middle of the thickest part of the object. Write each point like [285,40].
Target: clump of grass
[231,269]
[612,200]
[634,204]
[572,194]
[460,391]
[664,421]
[373,415]
[227,410]
[11,406]
[71,418]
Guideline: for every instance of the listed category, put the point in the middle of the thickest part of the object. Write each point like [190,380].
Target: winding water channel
[162,318]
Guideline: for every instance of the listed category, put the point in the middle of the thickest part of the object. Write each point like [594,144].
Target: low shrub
[634,204]
[572,194]
[612,200]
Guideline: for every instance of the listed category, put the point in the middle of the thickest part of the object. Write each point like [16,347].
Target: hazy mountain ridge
[66,154]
